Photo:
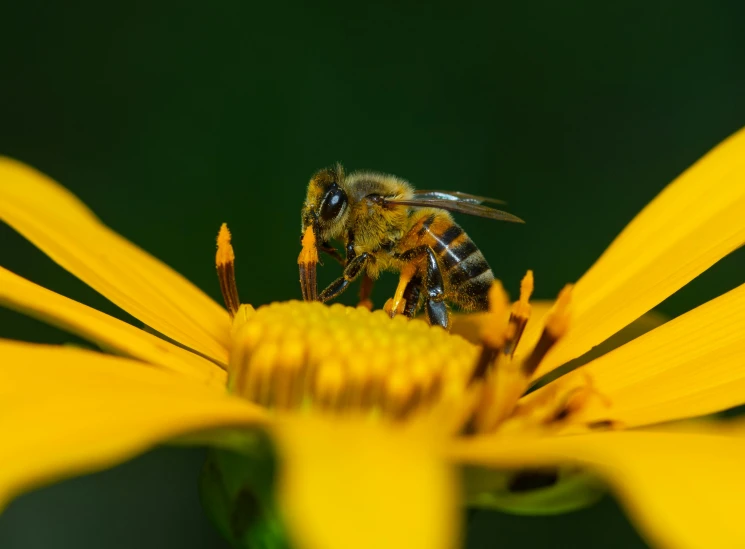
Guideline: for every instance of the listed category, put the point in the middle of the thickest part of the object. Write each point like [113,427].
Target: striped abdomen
[466,273]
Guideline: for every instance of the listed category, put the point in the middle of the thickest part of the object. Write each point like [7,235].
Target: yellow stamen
[506,384]
[521,308]
[520,314]
[495,329]
[494,332]
[225,261]
[225,253]
[504,388]
[498,391]
[557,320]
[309,253]
[307,261]
[557,323]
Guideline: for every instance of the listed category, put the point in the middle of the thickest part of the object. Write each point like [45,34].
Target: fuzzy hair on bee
[387,225]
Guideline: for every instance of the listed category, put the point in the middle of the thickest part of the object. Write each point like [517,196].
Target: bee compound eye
[333,203]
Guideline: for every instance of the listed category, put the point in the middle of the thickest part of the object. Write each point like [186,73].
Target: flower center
[300,355]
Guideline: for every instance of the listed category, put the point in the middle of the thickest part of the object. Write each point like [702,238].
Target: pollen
[225,253]
[309,251]
[304,355]
[307,261]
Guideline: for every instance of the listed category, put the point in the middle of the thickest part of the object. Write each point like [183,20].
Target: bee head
[326,205]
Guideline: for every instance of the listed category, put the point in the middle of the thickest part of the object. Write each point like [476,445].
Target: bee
[386,225]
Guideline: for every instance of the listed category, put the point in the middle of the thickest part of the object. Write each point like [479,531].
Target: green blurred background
[169,118]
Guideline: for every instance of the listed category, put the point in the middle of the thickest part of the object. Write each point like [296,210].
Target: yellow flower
[374,417]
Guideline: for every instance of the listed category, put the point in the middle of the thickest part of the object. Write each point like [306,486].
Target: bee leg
[434,286]
[437,310]
[411,296]
[353,269]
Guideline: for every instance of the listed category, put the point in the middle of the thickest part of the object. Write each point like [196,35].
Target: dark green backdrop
[170,118]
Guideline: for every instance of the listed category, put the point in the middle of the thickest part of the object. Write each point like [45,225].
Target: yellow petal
[110,333]
[694,222]
[352,484]
[59,224]
[66,411]
[690,366]
[684,490]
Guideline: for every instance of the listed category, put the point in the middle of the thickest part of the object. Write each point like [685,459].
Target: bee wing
[457,206]
[455,196]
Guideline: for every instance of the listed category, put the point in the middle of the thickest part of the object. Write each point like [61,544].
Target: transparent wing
[455,196]
[468,208]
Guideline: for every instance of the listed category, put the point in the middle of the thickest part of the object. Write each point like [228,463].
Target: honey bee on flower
[387,225]
[383,449]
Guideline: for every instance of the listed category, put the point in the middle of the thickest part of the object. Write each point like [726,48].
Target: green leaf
[548,491]
[237,491]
